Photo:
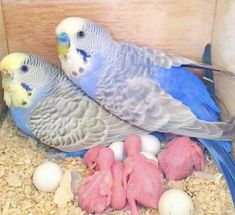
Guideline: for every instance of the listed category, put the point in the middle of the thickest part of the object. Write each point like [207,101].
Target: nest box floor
[19,156]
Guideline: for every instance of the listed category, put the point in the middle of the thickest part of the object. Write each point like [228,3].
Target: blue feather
[63,37]
[84,54]
[88,82]
[223,159]
[161,136]
[57,154]
[21,117]
[191,92]
[76,154]
[26,87]
[189,89]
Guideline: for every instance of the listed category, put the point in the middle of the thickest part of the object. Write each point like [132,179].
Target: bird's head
[24,77]
[78,41]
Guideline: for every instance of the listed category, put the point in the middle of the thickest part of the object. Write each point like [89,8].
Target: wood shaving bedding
[20,155]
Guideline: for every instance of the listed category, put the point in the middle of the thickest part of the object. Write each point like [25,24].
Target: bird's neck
[88,81]
[99,65]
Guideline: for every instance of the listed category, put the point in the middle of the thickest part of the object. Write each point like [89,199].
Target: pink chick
[118,192]
[94,195]
[142,177]
[90,158]
[180,158]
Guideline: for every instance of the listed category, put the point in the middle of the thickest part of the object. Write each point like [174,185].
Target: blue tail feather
[224,161]
[161,136]
[206,58]
[76,153]
[219,150]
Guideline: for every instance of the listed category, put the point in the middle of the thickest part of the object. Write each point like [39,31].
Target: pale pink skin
[94,195]
[142,177]
[118,192]
[180,158]
[90,158]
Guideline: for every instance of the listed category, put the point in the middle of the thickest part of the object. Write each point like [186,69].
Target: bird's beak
[5,73]
[62,49]
[63,44]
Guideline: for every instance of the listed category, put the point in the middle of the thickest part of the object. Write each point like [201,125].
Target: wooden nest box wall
[179,26]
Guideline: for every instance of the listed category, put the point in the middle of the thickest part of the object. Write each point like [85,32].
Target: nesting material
[19,156]
[64,193]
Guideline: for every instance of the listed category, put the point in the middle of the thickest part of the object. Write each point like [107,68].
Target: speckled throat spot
[81,70]
[74,73]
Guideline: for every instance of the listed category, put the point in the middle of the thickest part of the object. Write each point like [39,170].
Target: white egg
[150,144]
[47,176]
[175,202]
[118,150]
[149,155]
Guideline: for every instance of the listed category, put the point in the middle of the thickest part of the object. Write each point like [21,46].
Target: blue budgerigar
[145,87]
[47,106]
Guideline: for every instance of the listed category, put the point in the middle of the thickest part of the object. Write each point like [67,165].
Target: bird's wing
[71,121]
[166,60]
[142,103]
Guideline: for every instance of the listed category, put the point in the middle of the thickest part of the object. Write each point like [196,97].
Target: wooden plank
[223,55]
[3,51]
[179,26]
[3,44]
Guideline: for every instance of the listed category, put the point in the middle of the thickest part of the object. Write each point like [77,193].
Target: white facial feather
[70,25]
[72,64]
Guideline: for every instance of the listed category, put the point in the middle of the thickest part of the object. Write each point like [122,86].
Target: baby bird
[94,195]
[181,156]
[142,177]
[118,192]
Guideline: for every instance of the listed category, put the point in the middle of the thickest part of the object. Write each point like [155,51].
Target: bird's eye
[80,34]
[24,68]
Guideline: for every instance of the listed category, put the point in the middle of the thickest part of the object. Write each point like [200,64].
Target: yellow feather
[62,49]
[12,61]
[14,93]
